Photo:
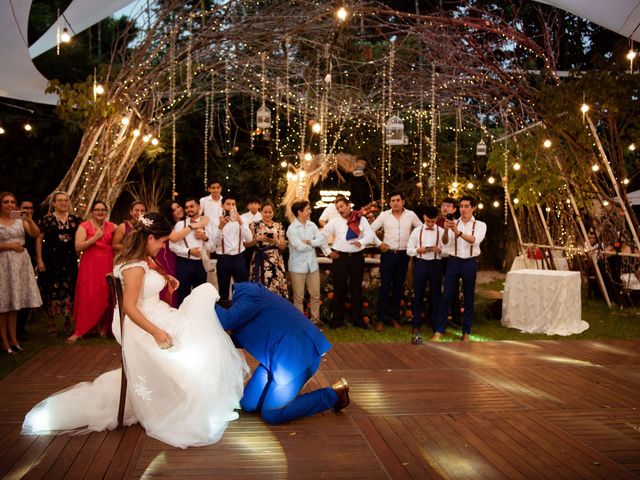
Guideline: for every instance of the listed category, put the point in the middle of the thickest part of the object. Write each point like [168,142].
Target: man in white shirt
[397,222]
[252,215]
[448,207]
[467,233]
[211,205]
[425,244]
[231,235]
[191,272]
[352,234]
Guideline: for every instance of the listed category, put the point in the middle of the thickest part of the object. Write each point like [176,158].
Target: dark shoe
[17,347]
[417,340]
[341,387]
[379,326]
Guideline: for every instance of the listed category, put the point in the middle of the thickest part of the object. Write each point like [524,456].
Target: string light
[605,203]
[2,131]
[28,127]
[516,201]
[283,164]
[64,36]
[632,147]
[496,204]
[631,57]
[146,138]
[316,127]
[470,186]
[155,141]
[625,181]
[491,180]
[342,14]
[480,206]
[136,133]
[124,121]
[547,143]
[595,167]
[517,166]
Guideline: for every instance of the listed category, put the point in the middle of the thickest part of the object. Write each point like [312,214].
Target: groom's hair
[226,304]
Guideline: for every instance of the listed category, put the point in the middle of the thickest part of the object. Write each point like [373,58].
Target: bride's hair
[135,245]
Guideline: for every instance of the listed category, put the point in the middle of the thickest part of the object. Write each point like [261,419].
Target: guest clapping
[93,239]
[19,289]
[136,209]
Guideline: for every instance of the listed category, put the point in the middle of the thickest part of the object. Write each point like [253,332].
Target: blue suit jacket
[271,329]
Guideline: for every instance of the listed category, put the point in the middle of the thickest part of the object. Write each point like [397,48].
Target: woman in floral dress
[267,263]
[57,260]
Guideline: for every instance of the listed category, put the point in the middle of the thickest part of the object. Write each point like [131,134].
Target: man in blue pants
[468,233]
[289,348]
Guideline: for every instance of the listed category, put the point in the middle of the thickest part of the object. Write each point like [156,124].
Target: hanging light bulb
[548,209]
[625,181]
[517,166]
[631,57]
[547,143]
[491,180]
[632,147]
[342,14]
[308,157]
[146,138]
[470,186]
[28,127]
[98,89]
[455,184]
[516,201]
[124,121]
[283,164]
[136,133]
[605,203]
[316,128]
[496,204]
[595,167]
[584,108]
[64,36]
[155,141]
[480,206]
[1,131]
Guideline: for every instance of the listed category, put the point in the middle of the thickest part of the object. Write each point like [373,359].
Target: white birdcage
[263,117]
[481,149]
[395,131]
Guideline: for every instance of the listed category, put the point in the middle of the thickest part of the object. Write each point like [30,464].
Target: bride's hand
[163,339]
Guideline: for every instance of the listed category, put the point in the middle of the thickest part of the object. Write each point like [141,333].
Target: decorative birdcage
[263,117]
[395,131]
[481,149]
[358,170]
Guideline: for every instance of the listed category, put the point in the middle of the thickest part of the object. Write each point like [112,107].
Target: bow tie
[430,228]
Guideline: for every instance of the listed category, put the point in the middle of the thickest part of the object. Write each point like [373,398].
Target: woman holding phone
[93,239]
[20,289]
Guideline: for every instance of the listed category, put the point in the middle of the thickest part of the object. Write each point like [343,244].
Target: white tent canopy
[19,78]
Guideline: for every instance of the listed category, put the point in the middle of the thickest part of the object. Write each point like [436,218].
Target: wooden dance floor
[512,410]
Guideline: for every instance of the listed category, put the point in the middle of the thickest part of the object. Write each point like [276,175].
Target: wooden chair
[115,287]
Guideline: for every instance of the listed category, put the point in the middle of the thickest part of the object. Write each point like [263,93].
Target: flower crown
[147,222]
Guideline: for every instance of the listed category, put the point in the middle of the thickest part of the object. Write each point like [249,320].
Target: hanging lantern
[481,149]
[358,171]
[395,131]
[263,117]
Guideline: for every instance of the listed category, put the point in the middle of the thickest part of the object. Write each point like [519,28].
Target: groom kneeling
[288,347]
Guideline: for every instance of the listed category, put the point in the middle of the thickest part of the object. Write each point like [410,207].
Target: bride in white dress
[185,377]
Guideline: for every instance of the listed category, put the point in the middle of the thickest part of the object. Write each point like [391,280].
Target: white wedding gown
[183,396]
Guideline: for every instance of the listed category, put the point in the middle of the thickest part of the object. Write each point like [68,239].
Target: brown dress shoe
[341,387]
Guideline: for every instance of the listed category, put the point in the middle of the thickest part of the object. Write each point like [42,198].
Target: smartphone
[226,213]
[449,216]
[15,214]
[269,235]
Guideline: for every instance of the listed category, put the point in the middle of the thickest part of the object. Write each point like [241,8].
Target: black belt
[396,251]
[348,254]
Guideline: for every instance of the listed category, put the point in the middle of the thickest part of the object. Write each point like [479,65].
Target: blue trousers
[190,274]
[281,403]
[393,270]
[426,272]
[230,266]
[465,268]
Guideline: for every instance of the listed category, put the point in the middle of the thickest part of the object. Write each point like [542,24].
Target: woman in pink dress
[93,239]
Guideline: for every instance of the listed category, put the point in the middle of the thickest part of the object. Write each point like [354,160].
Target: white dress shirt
[230,241]
[329,213]
[338,228]
[423,236]
[182,247]
[302,256]
[396,230]
[463,249]
[248,217]
[211,208]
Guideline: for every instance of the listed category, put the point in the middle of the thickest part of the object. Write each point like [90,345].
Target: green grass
[604,323]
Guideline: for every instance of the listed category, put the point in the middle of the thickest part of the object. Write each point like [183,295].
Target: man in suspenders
[466,234]
[425,244]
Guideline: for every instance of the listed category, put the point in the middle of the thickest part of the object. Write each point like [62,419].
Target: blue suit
[288,347]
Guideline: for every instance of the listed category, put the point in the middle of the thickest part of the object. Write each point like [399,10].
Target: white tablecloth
[543,301]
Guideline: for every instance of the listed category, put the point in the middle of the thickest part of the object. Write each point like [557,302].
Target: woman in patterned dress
[19,288]
[57,260]
[267,263]
[93,239]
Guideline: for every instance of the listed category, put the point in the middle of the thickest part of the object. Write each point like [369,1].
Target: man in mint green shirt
[304,237]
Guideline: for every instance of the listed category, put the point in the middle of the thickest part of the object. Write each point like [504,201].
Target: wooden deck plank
[534,410]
